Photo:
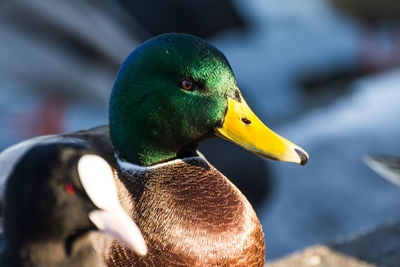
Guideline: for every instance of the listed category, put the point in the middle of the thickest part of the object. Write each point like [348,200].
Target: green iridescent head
[174,91]
[170,93]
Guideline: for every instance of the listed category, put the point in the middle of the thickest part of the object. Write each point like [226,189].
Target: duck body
[52,255]
[190,214]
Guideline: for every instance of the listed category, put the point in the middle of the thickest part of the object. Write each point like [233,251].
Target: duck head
[176,90]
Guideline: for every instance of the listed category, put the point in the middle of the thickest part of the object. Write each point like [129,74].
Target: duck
[386,166]
[52,204]
[171,93]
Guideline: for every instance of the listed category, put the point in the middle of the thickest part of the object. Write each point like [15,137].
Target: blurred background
[323,73]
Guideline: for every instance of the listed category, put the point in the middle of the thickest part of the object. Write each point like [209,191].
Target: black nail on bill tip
[302,155]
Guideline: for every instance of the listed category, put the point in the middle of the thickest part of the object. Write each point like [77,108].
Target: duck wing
[387,167]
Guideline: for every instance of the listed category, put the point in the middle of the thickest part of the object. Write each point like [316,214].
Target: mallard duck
[52,204]
[172,92]
[386,166]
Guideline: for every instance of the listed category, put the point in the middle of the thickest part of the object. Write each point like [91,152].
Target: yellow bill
[241,126]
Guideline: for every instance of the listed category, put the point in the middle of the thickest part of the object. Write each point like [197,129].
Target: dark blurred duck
[379,45]
[370,11]
[54,197]
[387,167]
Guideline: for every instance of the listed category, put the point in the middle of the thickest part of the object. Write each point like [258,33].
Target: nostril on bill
[246,121]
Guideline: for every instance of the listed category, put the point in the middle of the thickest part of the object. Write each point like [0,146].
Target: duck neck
[148,155]
[141,147]
[144,154]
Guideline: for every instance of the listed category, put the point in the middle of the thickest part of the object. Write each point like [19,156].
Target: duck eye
[187,85]
[69,188]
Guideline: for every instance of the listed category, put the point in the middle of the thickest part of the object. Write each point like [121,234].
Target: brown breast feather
[189,213]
